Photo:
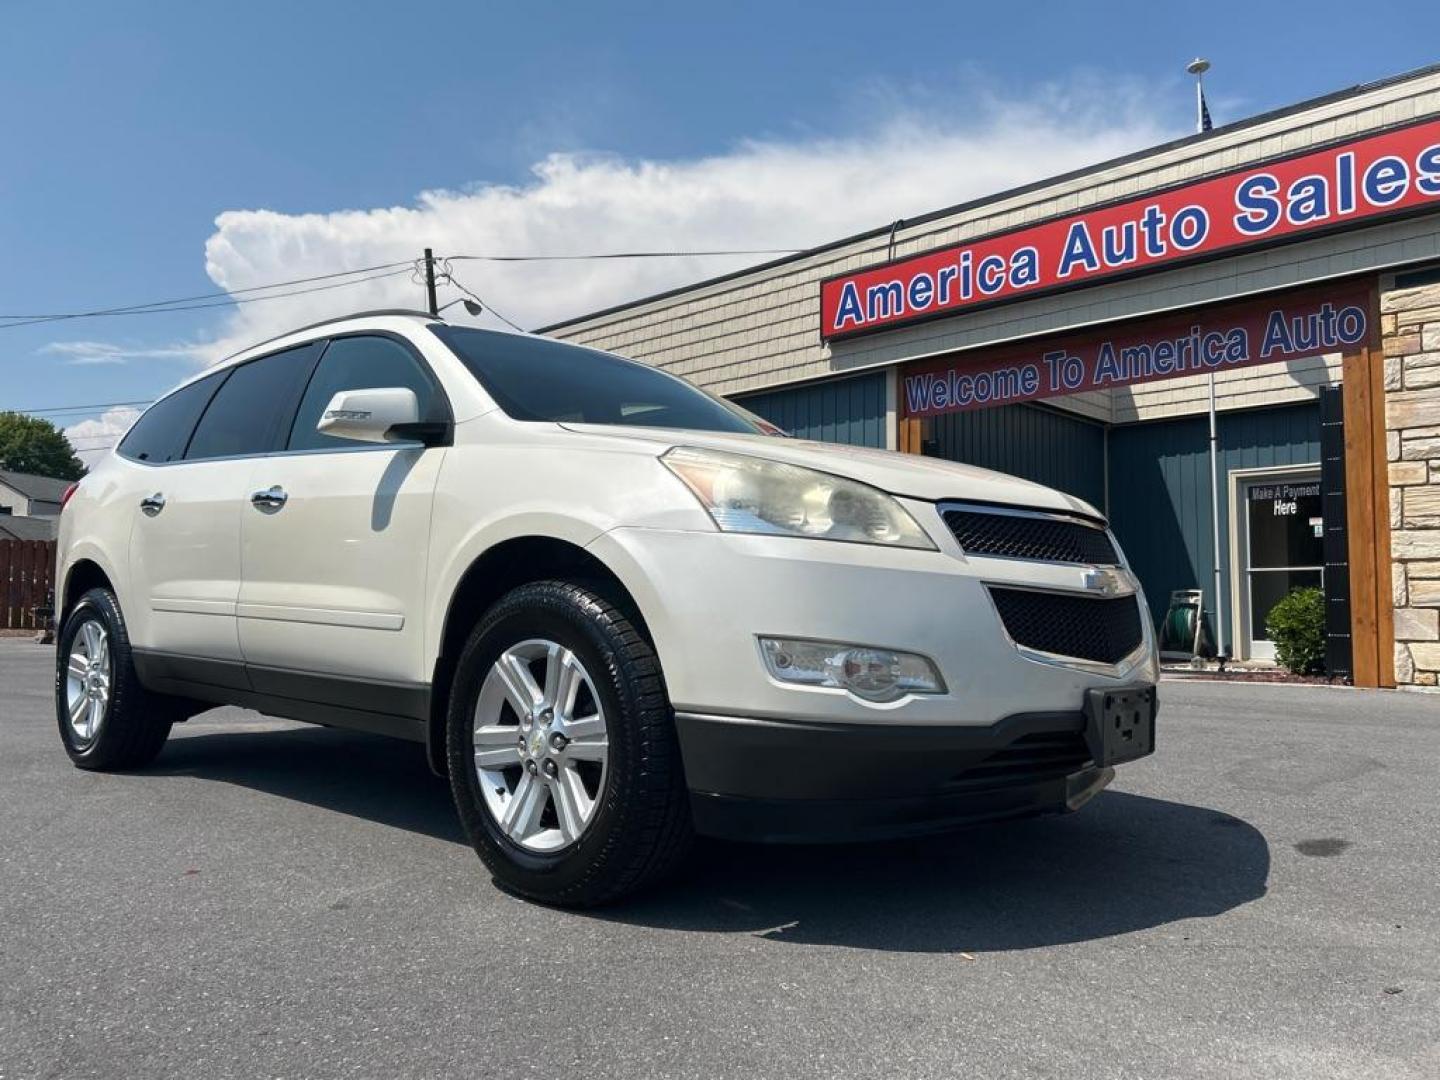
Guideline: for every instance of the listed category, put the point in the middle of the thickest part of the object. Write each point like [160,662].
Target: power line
[214,295]
[625,255]
[228,298]
[372,273]
[450,277]
[155,310]
[79,408]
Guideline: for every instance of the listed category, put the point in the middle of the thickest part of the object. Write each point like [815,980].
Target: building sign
[1391,173]
[1284,498]
[1193,342]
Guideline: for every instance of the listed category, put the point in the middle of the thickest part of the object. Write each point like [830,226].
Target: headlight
[866,671]
[752,495]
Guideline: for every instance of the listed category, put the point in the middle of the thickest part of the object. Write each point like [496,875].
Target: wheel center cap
[537,743]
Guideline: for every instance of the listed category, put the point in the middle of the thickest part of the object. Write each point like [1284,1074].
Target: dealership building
[1071,331]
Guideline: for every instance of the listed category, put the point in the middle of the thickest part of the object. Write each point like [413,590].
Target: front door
[1281,539]
[333,557]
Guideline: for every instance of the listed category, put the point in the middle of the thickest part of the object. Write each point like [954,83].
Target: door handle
[152,504]
[269,500]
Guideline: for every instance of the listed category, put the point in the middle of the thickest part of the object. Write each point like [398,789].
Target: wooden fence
[27,576]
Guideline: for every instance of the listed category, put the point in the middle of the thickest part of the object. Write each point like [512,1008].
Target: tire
[638,828]
[130,726]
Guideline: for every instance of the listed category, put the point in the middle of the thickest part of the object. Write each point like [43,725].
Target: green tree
[29,444]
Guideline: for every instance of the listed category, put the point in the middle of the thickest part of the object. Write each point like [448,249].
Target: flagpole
[1198,67]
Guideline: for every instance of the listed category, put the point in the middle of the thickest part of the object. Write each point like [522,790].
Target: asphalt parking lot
[1259,899]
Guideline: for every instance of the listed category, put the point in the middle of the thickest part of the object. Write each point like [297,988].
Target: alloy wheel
[540,745]
[88,675]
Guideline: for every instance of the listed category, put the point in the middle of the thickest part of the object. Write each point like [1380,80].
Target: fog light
[866,671]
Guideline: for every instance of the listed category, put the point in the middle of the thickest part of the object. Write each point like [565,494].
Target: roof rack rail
[334,319]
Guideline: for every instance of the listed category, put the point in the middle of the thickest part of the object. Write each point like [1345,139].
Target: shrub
[1297,627]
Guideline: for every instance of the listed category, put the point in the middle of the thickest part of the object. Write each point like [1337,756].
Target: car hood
[908,475]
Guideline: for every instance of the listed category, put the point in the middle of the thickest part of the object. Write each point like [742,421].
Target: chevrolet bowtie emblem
[1104,582]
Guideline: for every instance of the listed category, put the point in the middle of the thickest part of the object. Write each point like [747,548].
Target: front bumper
[769,760]
[786,781]
[707,598]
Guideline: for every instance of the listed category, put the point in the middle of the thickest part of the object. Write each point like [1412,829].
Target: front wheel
[563,758]
[107,719]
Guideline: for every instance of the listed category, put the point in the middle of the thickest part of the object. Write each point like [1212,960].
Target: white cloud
[767,193]
[93,438]
[109,352]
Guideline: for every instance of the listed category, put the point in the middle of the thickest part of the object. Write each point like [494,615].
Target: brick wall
[1410,325]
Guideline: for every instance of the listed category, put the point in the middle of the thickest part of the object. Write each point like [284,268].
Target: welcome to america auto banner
[1193,342]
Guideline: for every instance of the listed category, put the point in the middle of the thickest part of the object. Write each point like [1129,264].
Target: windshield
[535,378]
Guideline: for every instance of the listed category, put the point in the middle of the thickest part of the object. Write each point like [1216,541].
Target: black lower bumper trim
[784,759]
[784,780]
[822,821]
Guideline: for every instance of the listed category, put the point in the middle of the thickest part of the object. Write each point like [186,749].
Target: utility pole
[1198,67]
[433,304]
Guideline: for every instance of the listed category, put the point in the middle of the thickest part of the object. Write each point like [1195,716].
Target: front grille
[1084,627]
[1030,759]
[1023,536]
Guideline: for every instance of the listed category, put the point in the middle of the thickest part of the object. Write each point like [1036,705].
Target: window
[164,429]
[537,379]
[356,363]
[247,409]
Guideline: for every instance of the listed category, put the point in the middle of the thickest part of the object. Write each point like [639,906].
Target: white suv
[617,611]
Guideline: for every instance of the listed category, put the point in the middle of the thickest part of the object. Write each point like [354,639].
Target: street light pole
[1198,67]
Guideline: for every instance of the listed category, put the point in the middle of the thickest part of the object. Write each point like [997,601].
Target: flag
[1205,123]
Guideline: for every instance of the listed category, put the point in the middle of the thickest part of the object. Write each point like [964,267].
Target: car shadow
[366,776]
[1124,863]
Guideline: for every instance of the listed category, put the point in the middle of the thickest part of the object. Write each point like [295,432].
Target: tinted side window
[162,432]
[244,415]
[356,363]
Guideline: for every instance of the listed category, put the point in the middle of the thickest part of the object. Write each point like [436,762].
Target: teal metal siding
[839,410]
[1160,491]
[1050,447]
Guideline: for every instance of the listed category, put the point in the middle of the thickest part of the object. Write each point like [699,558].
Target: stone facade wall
[1410,324]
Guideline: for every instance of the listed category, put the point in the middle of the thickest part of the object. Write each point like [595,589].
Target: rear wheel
[563,758]
[107,719]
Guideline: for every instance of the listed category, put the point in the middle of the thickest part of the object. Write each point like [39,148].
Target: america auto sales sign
[1385,175]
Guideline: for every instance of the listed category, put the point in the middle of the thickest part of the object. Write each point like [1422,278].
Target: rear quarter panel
[95,526]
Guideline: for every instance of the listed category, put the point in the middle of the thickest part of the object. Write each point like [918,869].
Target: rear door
[334,555]
[180,571]
[185,544]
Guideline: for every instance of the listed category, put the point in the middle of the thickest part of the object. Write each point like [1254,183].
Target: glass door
[1284,532]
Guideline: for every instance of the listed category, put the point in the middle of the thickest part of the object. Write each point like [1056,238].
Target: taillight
[65,498]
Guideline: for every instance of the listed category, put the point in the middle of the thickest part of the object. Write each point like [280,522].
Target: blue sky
[129,129]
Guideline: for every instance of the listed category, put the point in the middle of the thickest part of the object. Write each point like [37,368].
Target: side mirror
[390,414]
